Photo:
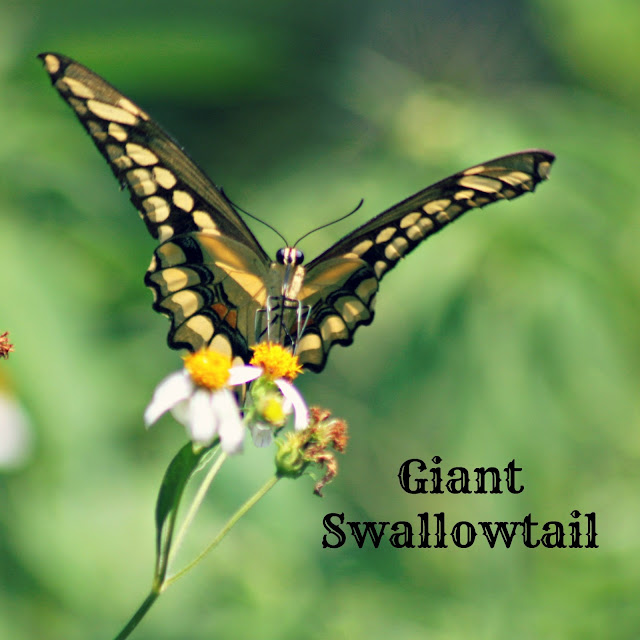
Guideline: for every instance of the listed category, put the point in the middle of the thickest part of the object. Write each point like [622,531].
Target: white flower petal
[173,389]
[181,412]
[230,425]
[202,423]
[243,374]
[262,434]
[300,411]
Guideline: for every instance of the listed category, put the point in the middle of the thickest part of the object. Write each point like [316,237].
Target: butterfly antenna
[328,224]
[246,213]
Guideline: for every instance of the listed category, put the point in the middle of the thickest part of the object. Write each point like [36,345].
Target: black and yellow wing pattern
[210,275]
[341,284]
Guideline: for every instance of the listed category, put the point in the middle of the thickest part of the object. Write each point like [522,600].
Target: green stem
[227,527]
[138,615]
[163,585]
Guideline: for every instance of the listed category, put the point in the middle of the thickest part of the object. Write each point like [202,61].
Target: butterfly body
[211,276]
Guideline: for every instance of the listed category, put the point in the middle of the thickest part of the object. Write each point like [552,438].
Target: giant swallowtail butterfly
[210,275]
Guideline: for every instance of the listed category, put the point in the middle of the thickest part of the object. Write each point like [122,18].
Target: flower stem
[161,585]
[138,615]
[227,527]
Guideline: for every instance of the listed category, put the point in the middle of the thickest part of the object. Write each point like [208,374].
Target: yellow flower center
[208,369]
[276,361]
[273,413]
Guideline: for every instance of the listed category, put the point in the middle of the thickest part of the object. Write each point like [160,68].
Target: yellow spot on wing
[310,348]
[141,155]
[352,310]
[251,283]
[517,178]
[96,131]
[543,169]
[380,267]
[164,177]
[464,194]
[175,278]
[164,232]
[410,219]
[204,220]
[333,328]
[481,183]
[78,88]
[385,235]
[117,132]
[117,156]
[111,113]
[367,289]
[157,209]
[396,248]
[362,247]
[436,205]
[127,105]
[141,182]
[221,344]
[169,255]
[182,304]
[197,331]
[416,232]
[454,211]
[51,63]
[473,170]
[183,200]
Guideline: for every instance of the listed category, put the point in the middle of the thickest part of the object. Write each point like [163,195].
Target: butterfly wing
[341,284]
[208,273]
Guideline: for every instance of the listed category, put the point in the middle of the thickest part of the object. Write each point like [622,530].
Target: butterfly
[209,274]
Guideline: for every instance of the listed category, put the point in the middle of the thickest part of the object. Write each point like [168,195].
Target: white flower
[199,396]
[274,397]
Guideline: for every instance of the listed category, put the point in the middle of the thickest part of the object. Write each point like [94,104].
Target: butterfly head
[289,256]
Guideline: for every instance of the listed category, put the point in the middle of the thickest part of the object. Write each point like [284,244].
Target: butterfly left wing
[211,288]
[341,284]
[208,274]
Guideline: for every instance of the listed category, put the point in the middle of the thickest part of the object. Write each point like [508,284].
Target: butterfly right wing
[206,273]
[341,284]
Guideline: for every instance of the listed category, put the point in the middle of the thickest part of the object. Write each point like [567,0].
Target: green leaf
[180,469]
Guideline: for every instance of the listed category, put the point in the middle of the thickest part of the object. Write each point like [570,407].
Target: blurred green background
[513,334]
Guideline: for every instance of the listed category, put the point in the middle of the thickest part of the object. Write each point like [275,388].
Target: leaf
[180,469]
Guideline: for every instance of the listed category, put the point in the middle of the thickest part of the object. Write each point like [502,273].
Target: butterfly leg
[282,321]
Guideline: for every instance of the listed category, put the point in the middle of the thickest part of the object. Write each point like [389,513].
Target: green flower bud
[290,458]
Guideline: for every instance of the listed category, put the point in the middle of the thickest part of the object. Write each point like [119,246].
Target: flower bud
[290,458]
